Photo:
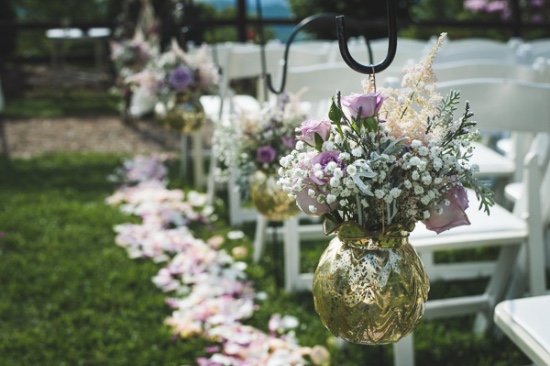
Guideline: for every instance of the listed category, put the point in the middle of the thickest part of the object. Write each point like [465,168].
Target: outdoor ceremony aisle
[211,296]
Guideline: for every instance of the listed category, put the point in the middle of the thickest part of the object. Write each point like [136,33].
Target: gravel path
[29,137]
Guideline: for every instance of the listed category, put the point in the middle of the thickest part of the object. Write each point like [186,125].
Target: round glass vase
[270,200]
[370,288]
[184,113]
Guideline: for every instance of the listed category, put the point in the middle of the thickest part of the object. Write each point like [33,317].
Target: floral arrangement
[130,56]
[210,294]
[173,75]
[256,141]
[388,158]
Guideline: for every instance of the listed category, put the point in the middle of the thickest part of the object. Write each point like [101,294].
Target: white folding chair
[237,61]
[476,49]
[526,323]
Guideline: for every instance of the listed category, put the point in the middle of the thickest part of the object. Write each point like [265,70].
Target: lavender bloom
[323,159]
[289,141]
[305,202]
[444,217]
[308,129]
[181,78]
[368,103]
[266,154]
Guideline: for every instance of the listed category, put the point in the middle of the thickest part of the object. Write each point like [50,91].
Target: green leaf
[318,141]
[335,114]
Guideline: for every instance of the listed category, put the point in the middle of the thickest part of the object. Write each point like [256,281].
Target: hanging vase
[270,200]
[370,288]
[184,113]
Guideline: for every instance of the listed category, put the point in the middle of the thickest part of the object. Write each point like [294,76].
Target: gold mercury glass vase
[370,288]
[270,200]
[184,113]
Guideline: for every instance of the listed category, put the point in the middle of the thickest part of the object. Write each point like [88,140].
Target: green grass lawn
[70,296]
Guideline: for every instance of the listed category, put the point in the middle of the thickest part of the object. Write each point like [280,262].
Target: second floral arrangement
[248,149]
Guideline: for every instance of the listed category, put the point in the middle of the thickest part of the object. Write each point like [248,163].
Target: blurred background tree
[7,35]
[359,10]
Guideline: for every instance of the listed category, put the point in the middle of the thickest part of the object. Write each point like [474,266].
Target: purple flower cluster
[181,78]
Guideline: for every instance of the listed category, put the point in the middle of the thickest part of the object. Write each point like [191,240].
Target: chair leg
[403,351]
[198,159]
[496,288]
[291,239]
[184,154]
[259,238]
[211,180]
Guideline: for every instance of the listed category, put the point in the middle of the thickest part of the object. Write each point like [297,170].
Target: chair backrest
[505,104]
[467,69]
[534,206]
[476,49]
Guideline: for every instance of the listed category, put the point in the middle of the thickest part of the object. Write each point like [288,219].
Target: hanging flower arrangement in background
[171,85]
[252,144]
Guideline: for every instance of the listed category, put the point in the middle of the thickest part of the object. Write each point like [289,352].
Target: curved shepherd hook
[295,31]
[392,44]
[268,82]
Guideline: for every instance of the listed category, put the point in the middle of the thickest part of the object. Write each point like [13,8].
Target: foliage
[455,10]
[361,11]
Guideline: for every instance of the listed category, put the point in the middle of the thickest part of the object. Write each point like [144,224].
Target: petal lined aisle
[211,296]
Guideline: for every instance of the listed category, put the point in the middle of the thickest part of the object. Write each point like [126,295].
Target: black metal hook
[392,43]
[289,41]
[295,31]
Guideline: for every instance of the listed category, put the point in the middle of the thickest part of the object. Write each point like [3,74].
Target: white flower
[426,179]
[357,152]
[351,169]
[415,160]
[331,198]
[395,192]
[328,146]
[415,144]
[423,151]
[344,156]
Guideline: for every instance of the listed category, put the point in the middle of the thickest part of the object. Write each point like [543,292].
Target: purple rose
[444,217]
[305,202]
[289,141]
[368,103]
[323,159]
[308,129]
[266,154]
[181,78]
